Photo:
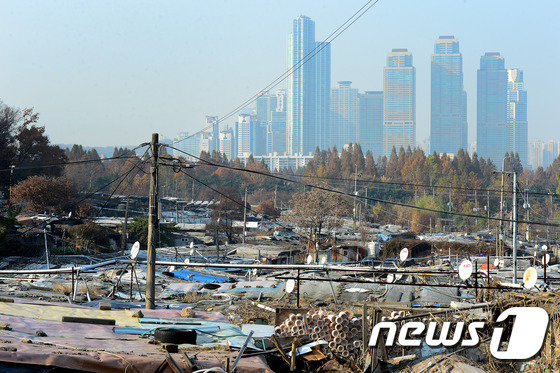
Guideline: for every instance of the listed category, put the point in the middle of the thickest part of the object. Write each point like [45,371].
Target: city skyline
[140,100]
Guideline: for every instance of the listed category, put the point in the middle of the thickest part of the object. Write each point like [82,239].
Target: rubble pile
[341,330]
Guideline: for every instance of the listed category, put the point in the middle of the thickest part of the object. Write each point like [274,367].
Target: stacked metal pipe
[341,330]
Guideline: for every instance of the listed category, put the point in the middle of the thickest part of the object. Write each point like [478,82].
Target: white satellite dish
[544,247]
[70,215]
[546,258]
[187,261]
[403,254]
[171,269]
[191,245]
[496,262]
[290,286]
[309,259]
[390,278]
[134,250]
[255,271]
[465,269]
[323,260]
[530,277]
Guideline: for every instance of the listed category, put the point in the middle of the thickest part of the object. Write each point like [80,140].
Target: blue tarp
[185,274]
[383,237]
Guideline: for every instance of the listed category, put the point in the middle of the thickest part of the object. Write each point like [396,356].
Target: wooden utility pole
[244,215]
[153,222]
[514,213]
[275,196]
[355,193]
[124,233]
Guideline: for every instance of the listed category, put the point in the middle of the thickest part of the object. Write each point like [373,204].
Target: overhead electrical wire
[358,196]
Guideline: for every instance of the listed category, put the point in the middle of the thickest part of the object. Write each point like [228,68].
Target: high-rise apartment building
[492,135]
[370,124]
[308,92]
[212,138]
[189,144]
[448,122]
[517,114]
[344,115]
[227,143]
[266,104]
[399,101]
[246,128]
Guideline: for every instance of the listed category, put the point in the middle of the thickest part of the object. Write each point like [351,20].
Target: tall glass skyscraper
[370,127]
[399,101]
[344,115]
[448,124]
[492,119]
[308,89]
[517,114]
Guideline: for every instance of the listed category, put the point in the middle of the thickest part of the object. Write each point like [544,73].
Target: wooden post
[153,222]
[297,293]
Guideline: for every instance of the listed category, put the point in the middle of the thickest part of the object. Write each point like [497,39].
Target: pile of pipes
[342,331]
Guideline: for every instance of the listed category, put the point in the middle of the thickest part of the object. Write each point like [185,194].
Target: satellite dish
[191,245]
[546,258]
[403,254]
[465,269]
[290,286]
[309,259]
[530,277]
[70,215]
[544,247]
[134,250]
[496,262]
[171,269]
[191,253]
[187,261]
[323,260]
[502,262]
[390,278]
[255,270]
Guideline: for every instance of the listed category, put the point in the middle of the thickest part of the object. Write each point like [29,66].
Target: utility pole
[501,234]
[218,239]
[153,222]
[244,215]
[46,247]
[275,196]
[355,193]
[124,232]
[488,209]
[514,227]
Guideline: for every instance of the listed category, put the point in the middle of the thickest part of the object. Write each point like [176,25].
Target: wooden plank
[88,320]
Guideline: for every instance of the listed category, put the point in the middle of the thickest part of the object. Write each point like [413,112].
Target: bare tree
[317,210]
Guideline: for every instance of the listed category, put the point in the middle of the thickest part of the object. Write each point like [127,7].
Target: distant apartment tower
[189,144]
[370,124]
[245,134]
[542,154]
[308,92]
[344,115]
[448,124]
[227,143]
[266,104]
[492,135]
[212,129]
[517,114]
[399,101]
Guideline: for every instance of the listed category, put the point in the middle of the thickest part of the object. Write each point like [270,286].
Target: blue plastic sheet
[185,274]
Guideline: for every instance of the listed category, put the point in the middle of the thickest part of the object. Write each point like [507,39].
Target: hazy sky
[113,72]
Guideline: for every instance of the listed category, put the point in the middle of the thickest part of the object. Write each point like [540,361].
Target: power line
[68,163]
[240,204]
[363,197]
[332,36]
